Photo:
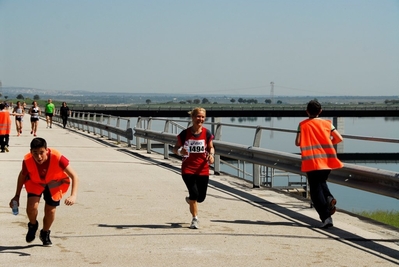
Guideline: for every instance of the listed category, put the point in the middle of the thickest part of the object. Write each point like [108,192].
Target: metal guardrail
[99,124]
[373,180]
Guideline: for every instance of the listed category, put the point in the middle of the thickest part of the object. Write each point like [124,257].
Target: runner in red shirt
[196,146]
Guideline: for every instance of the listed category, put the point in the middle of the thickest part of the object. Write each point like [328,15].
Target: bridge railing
[264,161]
[373,180]
[115,128]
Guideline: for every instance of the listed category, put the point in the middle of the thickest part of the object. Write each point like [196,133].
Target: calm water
[348,198]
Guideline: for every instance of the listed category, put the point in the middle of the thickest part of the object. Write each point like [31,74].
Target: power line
[303,90]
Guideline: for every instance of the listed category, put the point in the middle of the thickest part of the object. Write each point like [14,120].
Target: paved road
[131,212]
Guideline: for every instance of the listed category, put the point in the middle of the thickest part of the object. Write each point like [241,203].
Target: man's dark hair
[38,143]
[313,107]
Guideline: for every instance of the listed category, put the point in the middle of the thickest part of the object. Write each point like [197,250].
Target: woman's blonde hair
[193,113]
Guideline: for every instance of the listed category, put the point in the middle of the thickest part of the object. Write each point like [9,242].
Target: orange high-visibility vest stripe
[56,179]
[5,122]
[317,150]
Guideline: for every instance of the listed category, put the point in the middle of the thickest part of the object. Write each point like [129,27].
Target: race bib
[196,146]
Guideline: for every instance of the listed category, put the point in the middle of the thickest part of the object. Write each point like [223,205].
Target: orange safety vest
[56,179]
[5,122]
[317,149]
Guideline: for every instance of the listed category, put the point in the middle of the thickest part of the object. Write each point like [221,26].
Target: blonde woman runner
[195,145]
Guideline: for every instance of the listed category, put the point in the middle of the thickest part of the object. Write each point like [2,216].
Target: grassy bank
[387,217]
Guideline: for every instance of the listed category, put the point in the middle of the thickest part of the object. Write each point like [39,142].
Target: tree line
[392,101]
[21,97]
[206,101]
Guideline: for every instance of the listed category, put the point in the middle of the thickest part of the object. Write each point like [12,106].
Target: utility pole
[272,92]
[272,99]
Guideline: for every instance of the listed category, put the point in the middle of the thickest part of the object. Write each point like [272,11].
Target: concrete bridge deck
[131,211]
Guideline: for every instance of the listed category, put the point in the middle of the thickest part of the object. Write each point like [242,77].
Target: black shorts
[47,197]
[49,114]
[33,119]
[197,186]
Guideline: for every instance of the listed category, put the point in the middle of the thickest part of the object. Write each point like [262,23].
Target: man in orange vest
[44,172]
[5,128]
[316,138]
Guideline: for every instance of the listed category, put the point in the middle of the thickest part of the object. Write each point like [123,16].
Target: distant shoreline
[125,99]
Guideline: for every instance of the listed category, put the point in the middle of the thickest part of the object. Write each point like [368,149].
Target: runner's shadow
[258,222]
[149,226]
[353,240]
[14,249]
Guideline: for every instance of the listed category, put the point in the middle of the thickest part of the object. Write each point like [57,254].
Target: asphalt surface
[131,211]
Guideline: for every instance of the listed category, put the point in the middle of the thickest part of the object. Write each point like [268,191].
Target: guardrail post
[77,116]
[243,170]
[94,119]
[118,122]
[129,142]
[339,123]
[139,125]
[256,167]
[109,123]
[149,140]
[82,116]
[166,146]
[238,168]
[102,120]
[87,125]
[218,134]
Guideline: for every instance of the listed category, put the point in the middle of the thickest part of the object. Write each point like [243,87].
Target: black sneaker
[31,235]
[45,238]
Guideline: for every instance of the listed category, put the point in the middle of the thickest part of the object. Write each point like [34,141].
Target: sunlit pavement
[131,211]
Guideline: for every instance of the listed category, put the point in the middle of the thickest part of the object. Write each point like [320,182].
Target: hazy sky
[229,47]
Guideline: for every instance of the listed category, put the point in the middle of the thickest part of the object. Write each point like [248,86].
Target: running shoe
[194,223]
[327,223]
[45,238]
[31,235]
[188,200]
[331,204]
